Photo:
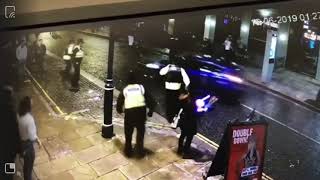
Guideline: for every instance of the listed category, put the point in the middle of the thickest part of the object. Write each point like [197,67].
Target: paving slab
[170,172]
[88,130]
[56,148]
[138,168]
[165,157]
[96,138]
[45,131]
[80,144]
[109,163]
[57,166]
[114,175]
[42,156]
[83,172]
[190,165]
[91,154]
[61,176]
[69,135]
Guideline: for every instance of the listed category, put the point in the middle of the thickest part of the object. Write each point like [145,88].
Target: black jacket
[9,132]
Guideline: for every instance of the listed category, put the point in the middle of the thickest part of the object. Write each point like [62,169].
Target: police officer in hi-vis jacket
[78,54]
[134,99]
[176,79]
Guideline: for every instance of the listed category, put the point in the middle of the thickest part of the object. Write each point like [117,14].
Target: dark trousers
[172,104]
[134,118]
[76,75]
[28,157]
[185,142]
[68,66]
[228,56]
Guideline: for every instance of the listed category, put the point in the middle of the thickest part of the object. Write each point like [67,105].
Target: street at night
[293,141]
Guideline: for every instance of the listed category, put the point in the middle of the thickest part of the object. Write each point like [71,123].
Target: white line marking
[292,129]
[46,104]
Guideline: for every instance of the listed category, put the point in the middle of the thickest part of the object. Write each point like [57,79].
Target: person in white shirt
[21,55]
[228,49]
[28,135]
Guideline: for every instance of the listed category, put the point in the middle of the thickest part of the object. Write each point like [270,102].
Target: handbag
[176,119]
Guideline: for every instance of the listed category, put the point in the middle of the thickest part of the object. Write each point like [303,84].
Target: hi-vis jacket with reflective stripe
[134,96]
[175,77]
[68,52]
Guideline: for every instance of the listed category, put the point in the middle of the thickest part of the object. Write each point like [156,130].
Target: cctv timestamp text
[313,16]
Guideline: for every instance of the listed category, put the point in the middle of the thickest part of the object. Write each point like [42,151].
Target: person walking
[176,79]
[135,100]
[187,123]
[21,55]
[68,56]
[9,132]
[28,134]
[78,55]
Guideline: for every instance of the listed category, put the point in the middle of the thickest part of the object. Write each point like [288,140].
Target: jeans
[28,157]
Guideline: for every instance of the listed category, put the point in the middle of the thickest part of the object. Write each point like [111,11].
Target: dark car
[207,75]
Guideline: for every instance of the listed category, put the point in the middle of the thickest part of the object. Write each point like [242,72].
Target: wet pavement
[74,149]
[293,142]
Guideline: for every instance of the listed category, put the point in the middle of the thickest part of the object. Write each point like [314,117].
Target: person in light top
[28,135]
[22,55]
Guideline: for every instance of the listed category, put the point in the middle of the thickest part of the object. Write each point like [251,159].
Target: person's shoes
[128,153]
[187,155]
[141,154]
[74,89]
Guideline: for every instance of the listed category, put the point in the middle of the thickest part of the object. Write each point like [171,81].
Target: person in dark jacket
[9,132]
[40,53]
[135,100]
[187,123]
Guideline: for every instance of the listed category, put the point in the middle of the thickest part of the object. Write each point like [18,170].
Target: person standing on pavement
[228,49]
[21,55]
[78,54]
[9,132]
[176,79]
[68,56]
[40,53]
[28,134]
[135,100]
[187,123]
